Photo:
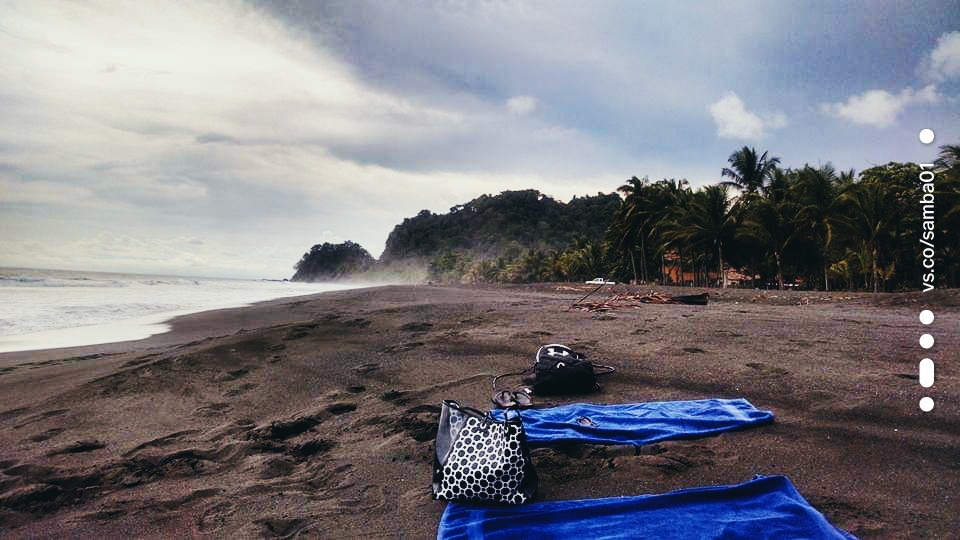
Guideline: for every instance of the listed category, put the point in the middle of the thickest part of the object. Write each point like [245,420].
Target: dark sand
[315,417]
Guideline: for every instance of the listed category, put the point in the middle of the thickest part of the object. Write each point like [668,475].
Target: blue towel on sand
[766,507]
[637,423]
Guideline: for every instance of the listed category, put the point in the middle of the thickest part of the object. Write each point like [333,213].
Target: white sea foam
[42,309]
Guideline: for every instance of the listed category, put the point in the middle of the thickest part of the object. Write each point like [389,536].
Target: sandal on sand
[522,397]
[503,399]
[508,399]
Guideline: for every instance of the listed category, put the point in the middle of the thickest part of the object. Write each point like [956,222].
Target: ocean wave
[30,281]
[41,301]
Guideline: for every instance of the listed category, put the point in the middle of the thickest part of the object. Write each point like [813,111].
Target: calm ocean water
[42,309]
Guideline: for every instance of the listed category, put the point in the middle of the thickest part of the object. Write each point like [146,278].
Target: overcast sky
[226,138]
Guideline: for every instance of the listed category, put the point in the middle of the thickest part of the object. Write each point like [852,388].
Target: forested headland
[761,225]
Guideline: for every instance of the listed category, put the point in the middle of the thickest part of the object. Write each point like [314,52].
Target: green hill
[502,225]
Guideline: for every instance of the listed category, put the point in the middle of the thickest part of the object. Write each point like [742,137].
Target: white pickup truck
[600,281]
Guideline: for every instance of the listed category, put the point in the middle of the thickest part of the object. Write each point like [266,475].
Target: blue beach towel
[766,507]
[638,423]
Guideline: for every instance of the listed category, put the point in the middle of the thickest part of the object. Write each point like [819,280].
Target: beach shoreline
[314,415]
[180,327]
[58,309]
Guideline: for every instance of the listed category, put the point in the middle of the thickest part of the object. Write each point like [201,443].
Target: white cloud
[735,121]
[138,85]
[943,62]
[103,251]
[47,193]
[522,105]
[880,108]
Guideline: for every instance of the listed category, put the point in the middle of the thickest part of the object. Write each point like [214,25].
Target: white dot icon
[926,135]
[926,341]
[926,316]
[926,369]
[926,404]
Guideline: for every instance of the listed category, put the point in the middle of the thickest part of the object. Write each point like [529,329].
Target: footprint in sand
[141,360]
[212,409]
[233,375]
[48,434]
[12,413]
[357,323]
[41,416]
[280,430]
[79,447]
[310,448]
[160,442]
[243,388]
[276,466]
[668,458]
[105,515]
[417,327]
[363,369]
[341,408]
[214,517]
[564,468]
[419,422]
[402,347]
[278,526]
[396,396]
[767,369]
[300,331]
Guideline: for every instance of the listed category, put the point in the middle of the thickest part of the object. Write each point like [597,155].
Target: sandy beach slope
[315,417]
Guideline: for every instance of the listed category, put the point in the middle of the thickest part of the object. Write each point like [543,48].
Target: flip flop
[504,399]
[522,398]
[508,399]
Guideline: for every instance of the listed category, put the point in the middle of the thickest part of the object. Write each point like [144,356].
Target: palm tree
[749,172]
[949,157]
[845,178]
[867,214]
[710,221]
[817,190]
[948,222]
[632,223]
[671,201]
[768,218]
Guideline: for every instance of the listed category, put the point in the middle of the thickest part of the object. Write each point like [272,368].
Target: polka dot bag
[480,459]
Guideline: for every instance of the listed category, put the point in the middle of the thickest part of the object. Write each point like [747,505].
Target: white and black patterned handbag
[481,459]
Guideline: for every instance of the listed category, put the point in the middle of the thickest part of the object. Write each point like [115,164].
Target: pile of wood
[652,297]
[593,306]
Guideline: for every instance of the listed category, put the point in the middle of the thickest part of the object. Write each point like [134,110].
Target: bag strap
[607,369]
[493,384]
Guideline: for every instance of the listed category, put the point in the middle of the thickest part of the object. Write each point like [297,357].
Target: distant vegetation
[761,226]
[328,262]
[517,236]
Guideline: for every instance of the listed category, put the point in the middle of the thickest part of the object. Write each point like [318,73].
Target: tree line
[762,225]
[770,226]
[812,227]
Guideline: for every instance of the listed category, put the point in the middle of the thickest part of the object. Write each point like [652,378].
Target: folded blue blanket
[766,507]
[637,423]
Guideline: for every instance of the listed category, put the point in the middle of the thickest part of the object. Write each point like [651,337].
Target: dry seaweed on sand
[632,300]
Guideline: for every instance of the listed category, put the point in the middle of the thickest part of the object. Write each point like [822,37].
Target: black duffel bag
[558,369]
